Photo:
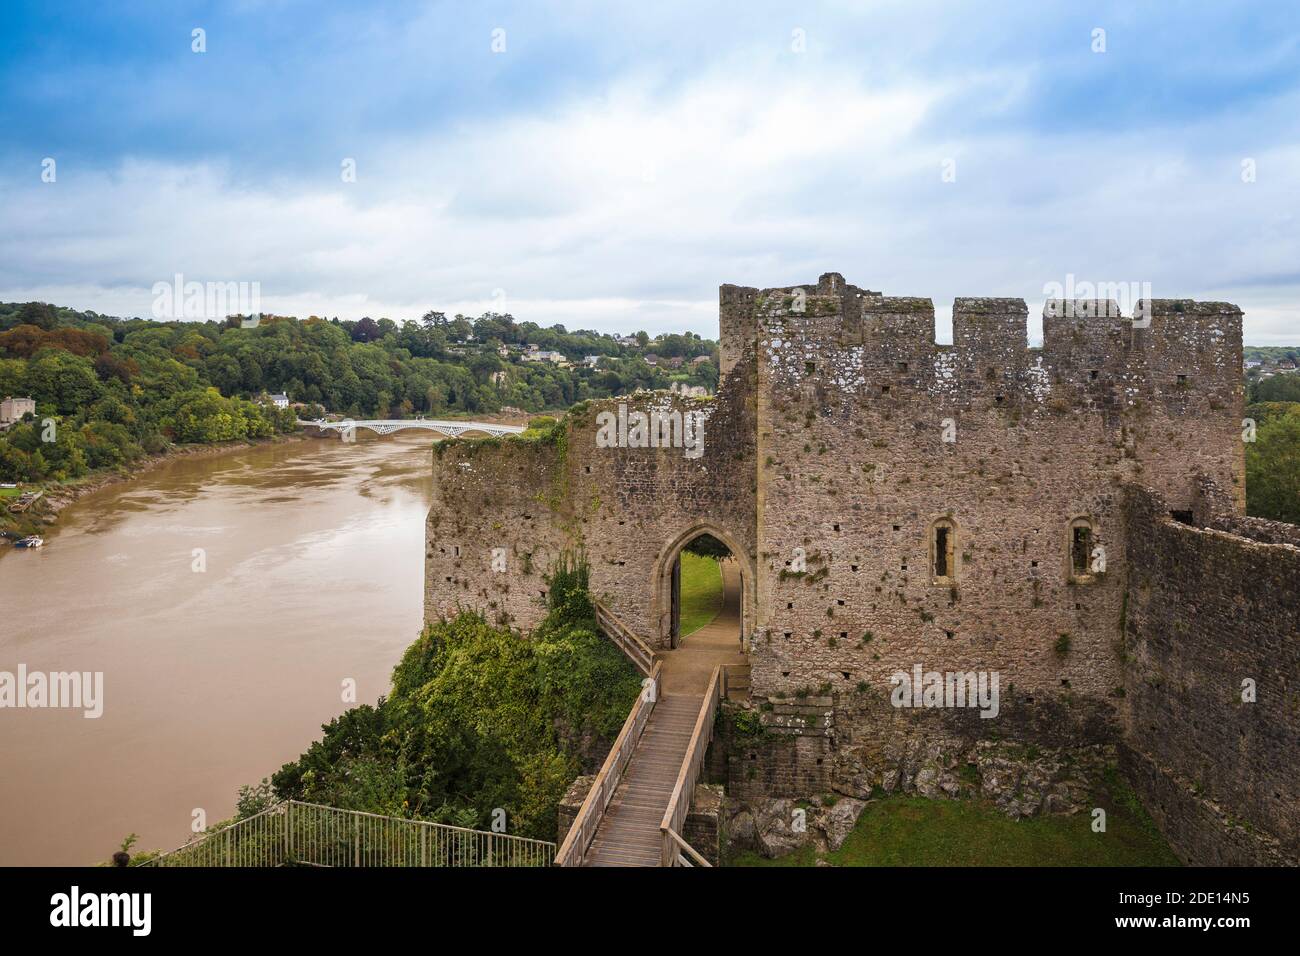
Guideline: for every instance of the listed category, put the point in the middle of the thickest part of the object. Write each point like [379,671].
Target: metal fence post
[288,832]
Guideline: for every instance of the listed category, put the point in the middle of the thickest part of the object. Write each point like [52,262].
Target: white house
[280,400]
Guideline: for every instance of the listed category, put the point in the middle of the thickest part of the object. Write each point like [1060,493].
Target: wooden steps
[628,834]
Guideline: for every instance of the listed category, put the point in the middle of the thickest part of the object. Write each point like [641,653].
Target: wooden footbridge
[636,809]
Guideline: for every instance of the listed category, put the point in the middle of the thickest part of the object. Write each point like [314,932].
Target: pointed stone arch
[661,580]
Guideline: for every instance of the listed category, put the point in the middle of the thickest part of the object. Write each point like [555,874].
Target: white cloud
[626,208]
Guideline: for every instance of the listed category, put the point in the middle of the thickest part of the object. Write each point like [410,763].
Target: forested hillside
[120,388]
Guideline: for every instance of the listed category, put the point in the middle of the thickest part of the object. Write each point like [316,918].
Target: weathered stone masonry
[1209,608]
[844,436]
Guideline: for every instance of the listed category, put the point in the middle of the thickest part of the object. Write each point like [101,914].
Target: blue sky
[615,163]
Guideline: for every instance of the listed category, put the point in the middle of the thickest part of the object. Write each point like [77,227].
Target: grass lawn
[10,492]
[915,831]
[701,592]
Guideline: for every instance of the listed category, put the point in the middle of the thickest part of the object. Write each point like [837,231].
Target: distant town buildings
[1267,366]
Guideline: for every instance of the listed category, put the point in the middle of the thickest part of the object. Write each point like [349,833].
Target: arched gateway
[666,598]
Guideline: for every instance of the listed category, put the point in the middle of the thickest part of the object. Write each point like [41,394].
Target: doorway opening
[700,576]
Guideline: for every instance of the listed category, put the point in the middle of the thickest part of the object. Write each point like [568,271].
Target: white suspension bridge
[389,425]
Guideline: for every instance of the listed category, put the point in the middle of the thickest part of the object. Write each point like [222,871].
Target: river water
[218,667]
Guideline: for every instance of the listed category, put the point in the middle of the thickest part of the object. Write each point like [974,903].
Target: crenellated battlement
[858,343]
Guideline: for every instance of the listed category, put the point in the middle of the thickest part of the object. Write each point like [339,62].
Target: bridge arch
[661,606]
[450,429]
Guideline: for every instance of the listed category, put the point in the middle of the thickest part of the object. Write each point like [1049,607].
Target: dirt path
[687,668]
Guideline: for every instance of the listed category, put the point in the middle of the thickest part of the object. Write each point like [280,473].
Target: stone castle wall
[1208,609]
[842,434]
[631,509]
[492,494]
[855,403]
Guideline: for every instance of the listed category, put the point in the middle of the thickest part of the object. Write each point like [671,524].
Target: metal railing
[573,851]
[676,851]
[308,834]
[637,650]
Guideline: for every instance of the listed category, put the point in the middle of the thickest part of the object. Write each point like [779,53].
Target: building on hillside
[545,355]
[592,361]
[279,400]
[12,409]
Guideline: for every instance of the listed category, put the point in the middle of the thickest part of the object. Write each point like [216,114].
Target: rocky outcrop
[776,827]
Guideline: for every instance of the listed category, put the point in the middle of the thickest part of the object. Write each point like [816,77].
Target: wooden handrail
[573,851]
[625,639]
[679,804]
[682,859]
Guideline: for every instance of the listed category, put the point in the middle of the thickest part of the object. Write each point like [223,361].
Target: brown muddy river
[212,678]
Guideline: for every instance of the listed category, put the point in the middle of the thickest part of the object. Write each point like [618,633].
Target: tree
[1273,469]
[40,314]
[367,330]
[1279,388]
[66,381]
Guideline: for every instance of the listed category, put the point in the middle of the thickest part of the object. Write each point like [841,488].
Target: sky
[608,166]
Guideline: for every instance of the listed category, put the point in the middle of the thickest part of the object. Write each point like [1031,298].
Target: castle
[1068,518]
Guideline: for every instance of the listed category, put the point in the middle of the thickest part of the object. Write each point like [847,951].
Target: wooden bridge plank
[628,834]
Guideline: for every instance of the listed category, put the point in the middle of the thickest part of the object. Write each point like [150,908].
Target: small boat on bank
[31,541]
